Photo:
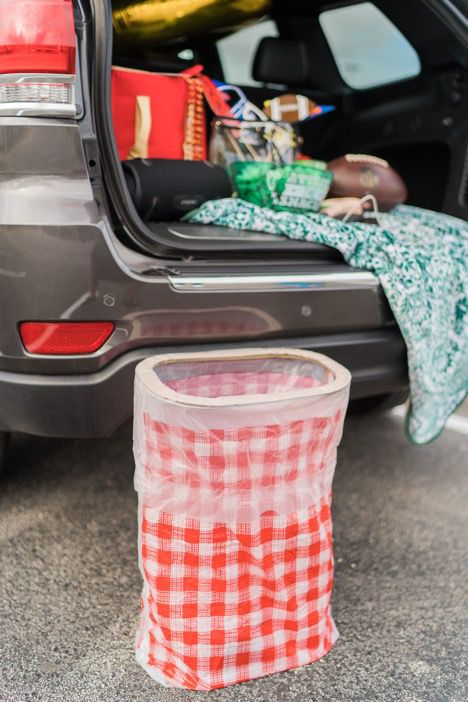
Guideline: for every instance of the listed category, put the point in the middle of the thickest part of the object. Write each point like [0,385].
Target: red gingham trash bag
[235,453]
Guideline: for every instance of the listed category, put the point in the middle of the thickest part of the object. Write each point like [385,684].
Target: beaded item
[194,134]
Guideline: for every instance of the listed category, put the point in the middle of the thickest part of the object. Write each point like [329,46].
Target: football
[356,175]
[289,108]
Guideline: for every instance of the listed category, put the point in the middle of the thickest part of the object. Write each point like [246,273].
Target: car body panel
[70,250]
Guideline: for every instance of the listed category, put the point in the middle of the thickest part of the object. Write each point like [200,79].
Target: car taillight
[37,57]
[64,338]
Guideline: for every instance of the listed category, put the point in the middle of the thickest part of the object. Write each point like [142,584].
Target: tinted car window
[368,49]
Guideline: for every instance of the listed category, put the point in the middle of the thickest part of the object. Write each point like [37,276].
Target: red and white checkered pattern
[245,383]
[229,601]
[272,466]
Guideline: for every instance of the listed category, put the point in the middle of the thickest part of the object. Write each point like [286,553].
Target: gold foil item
[143,23]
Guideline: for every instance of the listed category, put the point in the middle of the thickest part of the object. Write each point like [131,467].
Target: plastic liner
[235,453]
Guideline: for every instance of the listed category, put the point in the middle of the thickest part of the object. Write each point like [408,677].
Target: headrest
[281,61]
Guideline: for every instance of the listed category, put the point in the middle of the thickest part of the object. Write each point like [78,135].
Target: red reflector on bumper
[64,338]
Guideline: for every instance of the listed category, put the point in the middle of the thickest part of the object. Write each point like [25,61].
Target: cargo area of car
[176,238]
[413,123]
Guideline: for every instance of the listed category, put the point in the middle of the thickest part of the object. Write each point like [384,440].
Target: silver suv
[88,289]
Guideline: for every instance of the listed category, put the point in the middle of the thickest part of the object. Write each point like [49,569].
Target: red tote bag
[162,115]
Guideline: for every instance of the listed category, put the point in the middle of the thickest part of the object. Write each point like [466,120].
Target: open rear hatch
[168,239]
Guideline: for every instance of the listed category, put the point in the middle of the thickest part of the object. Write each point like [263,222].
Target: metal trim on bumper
[260,282]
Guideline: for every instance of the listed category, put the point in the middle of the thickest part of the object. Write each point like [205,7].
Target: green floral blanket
[421,260]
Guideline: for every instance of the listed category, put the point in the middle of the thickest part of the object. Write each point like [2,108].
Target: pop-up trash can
[235,453]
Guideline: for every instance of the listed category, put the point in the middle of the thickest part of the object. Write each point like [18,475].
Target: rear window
[367,47]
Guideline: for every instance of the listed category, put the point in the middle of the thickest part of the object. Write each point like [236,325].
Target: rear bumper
[96,404]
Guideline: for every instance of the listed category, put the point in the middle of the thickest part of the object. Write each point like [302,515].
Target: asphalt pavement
[70,585]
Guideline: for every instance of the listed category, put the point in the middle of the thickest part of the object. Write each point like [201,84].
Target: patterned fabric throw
[421,260]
